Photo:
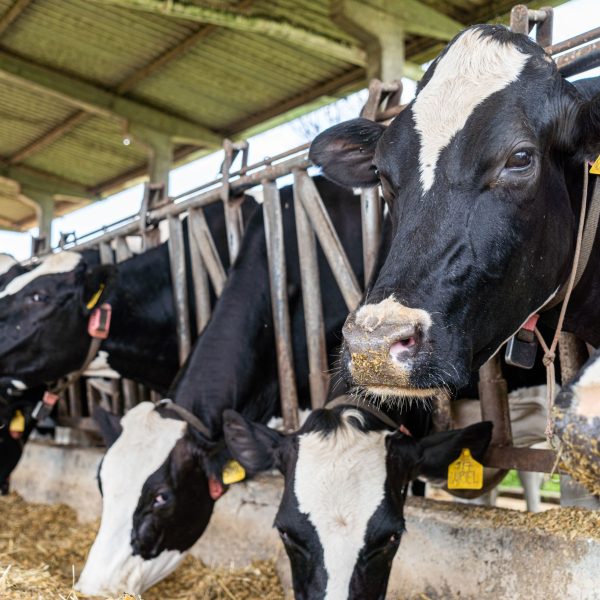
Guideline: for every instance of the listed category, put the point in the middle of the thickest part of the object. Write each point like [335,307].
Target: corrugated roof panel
[24,115]
[91,41]
[93,152]
[261,75]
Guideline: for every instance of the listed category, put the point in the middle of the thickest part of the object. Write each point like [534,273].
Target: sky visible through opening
[570,19]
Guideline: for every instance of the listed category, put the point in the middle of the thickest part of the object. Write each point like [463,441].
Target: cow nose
[383,340]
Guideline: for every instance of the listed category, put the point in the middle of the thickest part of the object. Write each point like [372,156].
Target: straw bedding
[43,549]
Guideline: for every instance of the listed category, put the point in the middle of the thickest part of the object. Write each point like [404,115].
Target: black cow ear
[109,425]
[440,449]
[345,152]
[254,446]
[96,282]
[583,128]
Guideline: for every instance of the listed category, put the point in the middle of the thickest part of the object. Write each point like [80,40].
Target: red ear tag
[404,430]
[215,488]
[99,323]
[49,398]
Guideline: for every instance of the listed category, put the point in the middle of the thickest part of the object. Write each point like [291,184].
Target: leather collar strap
[189,417]
[364,405]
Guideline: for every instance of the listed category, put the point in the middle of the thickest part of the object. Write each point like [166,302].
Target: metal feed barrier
[312,223]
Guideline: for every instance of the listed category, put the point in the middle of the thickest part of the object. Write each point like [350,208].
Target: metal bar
[519,19]
[199,272]
[311,298]
[573,42]
[580,60]
[202,238]
[235,227]
[330,242]
[371,212]
[573,354]
[74,392]
[106,253]
[130,397]
[279,303]
[115,395]
[544,26]
[493,396]
[522,459]
[179,283]
[238,186]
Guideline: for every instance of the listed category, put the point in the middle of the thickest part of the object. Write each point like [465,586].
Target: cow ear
[254,446]
[109,425]
[96,282]
[584,129]
[440,449]
[345,152]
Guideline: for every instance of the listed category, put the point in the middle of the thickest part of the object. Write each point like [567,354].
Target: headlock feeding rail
[312,223]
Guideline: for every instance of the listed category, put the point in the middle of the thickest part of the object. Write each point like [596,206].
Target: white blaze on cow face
[6,262]
[143,446]
[474,67]
[62,262]
[340,495]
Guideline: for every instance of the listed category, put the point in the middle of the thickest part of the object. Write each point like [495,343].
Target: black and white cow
[161,477]
[483,175]
[44,317]
[346,476]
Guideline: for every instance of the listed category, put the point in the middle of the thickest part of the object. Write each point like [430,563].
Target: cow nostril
[404,345]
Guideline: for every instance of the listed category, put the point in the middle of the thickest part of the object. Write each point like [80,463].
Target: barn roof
[75,75]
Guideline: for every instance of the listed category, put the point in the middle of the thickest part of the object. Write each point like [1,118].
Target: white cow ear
[440,449]
[254,446]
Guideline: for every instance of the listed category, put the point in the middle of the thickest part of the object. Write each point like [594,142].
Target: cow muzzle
[383,342]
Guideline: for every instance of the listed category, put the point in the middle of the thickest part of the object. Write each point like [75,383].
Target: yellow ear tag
[465,473]
[17,423]
[595,168]
[94,299]
[233,472]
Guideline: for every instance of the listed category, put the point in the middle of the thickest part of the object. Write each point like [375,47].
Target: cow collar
[367,407]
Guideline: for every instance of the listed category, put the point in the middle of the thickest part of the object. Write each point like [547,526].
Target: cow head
[341,513]
[157,501]
[43,319]
[482,174]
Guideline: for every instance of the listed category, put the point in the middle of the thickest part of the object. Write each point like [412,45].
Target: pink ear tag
[215,488]
[404,430]
[99,323]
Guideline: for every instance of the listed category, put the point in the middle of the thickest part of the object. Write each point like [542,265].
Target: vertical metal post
[74,392]
[130,396]
[330,242]
[232,206]
[106,253]
[311,298]
[279,303]
[493,396]
[370,208]
[179,283]
[543,34]
[199,273]
[519,19]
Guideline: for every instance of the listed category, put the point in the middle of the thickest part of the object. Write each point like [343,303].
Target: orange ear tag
[465,473]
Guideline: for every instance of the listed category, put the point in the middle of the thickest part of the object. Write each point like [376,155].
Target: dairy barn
[297,299]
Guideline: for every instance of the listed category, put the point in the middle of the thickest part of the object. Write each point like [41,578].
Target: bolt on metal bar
[330,242]
[199,271]
[279,303]
[311,298]
[179,284]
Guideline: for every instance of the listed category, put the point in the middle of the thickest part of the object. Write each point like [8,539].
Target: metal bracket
[383,103]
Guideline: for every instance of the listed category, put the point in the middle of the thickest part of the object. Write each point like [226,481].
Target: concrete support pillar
[380,32]
[43,203]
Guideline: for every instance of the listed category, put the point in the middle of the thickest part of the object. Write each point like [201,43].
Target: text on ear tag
[233,472]
[465,473]
[94,299]
[595,169]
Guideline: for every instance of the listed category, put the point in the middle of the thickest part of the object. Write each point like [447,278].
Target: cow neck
[233,364]
[142,344]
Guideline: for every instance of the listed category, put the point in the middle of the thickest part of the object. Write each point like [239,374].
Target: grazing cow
[161,477]
[44,315]
[483,176]
[341,519]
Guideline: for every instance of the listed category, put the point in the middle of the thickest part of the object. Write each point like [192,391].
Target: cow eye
[38,297]
[520,160]
[161,499]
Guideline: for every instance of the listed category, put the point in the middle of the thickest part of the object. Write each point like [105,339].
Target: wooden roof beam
[95,100]
[12,14]
[280,30]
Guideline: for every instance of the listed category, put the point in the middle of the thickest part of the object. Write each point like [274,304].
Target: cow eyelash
[389,542]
